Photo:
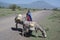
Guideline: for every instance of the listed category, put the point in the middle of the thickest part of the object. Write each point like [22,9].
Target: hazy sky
[52,2]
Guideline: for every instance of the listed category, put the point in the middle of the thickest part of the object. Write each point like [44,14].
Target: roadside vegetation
[54,26]
[6,12]
[51,24]
[13,9]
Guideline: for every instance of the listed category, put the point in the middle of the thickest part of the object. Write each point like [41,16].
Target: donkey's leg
[23,31]
[43,32]
[16,25]
[36,31]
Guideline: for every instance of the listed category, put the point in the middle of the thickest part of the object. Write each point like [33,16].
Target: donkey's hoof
[45,36]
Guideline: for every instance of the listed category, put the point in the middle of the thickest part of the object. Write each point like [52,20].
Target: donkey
[33,26]
[19,19]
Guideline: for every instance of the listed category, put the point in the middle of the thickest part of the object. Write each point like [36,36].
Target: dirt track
[6,23]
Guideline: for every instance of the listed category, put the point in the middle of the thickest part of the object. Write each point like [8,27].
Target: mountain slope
[38,4]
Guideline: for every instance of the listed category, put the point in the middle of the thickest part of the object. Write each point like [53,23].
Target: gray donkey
[33,26]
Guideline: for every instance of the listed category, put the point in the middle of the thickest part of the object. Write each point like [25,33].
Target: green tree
[34,9]
[18,7]
[55,9]
[45,9]
[2,7]
[13,7]
[25,8]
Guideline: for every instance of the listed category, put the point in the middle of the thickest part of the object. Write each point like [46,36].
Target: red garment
[28,18]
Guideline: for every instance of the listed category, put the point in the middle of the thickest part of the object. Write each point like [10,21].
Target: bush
[45,9]
[18,7]
[2,7]
[13,7]
[55,9]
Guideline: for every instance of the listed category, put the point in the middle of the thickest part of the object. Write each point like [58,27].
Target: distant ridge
[36,5]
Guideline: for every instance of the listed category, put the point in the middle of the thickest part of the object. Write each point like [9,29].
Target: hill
[36,5]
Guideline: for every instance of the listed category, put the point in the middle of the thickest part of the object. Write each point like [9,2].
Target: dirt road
[6,23]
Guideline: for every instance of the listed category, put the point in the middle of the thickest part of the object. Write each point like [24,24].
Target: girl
[28,16]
